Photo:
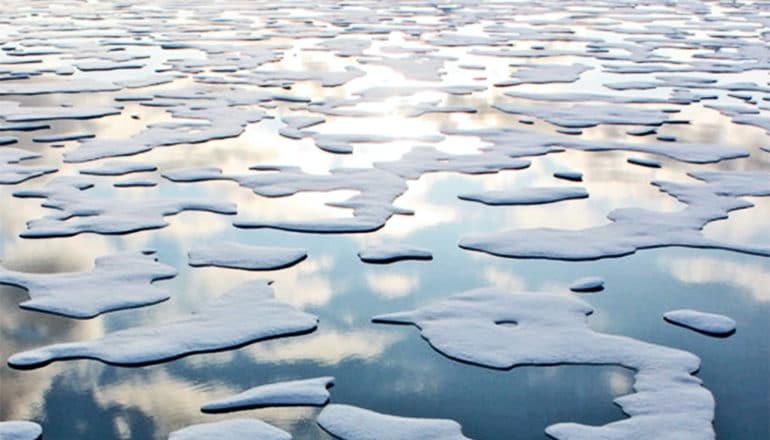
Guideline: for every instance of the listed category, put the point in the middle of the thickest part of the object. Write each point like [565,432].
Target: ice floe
[304,392]
[587,284]
[20,430]
[527,196]
[550,329]
[707,323]
[390,253]
[241,256]
[631,229]
[352,423]
[13,172]
[235,429]
[245,314]
[78,212]
[118,168]
[116,282]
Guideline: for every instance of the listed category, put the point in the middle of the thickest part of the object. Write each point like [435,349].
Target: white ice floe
[527,196]
[245,314]
[20,430]
[641,161]
[708,323]
[305,392]
[573,175]
[12,172]
[390,253]
[546,73]
[513,141]
[233,429]
[352,423]
[587,284]
[241,256]
[498,329]
[119,168]
[12,111]
[116,282]
[76,211]
[584,116]
[631,229]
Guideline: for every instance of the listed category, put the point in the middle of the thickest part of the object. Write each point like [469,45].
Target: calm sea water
[389,369]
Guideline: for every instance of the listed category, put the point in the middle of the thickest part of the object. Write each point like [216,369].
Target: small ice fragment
[352,423]
[306,392]
[575,176]
[390,253]
[641,161]
[587,284]
[20,430]
[240,256]
[707,323]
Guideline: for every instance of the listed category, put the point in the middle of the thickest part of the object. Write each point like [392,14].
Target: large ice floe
[631,229]
[235,429]
[352,423]
[20,430]
[77,211]
[245,314]
[304,392]
[707,323]
[116,282]
[240,256]
[497,329]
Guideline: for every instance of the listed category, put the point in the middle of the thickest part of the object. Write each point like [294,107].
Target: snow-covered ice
[20,430]
[551,329]
[527,196]
[352,423]
[116,282]
[241,256]
[587,284]
[235,429]
[243,315]
[390,253]
[708,323]
[304,392]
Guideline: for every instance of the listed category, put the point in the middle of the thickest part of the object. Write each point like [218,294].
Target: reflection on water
[378,367]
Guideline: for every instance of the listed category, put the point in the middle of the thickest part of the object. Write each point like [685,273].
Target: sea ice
[587,284]
[118,168]
[575,176]
[20,430]
[550,329]
[305,392]
[527,196]
[352,423]
[390,253]
[241,256]
[632,229]
[233,429]
[12,172]
[708,323]
[77,212]
[641,161]
[245,314]
[116,282]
